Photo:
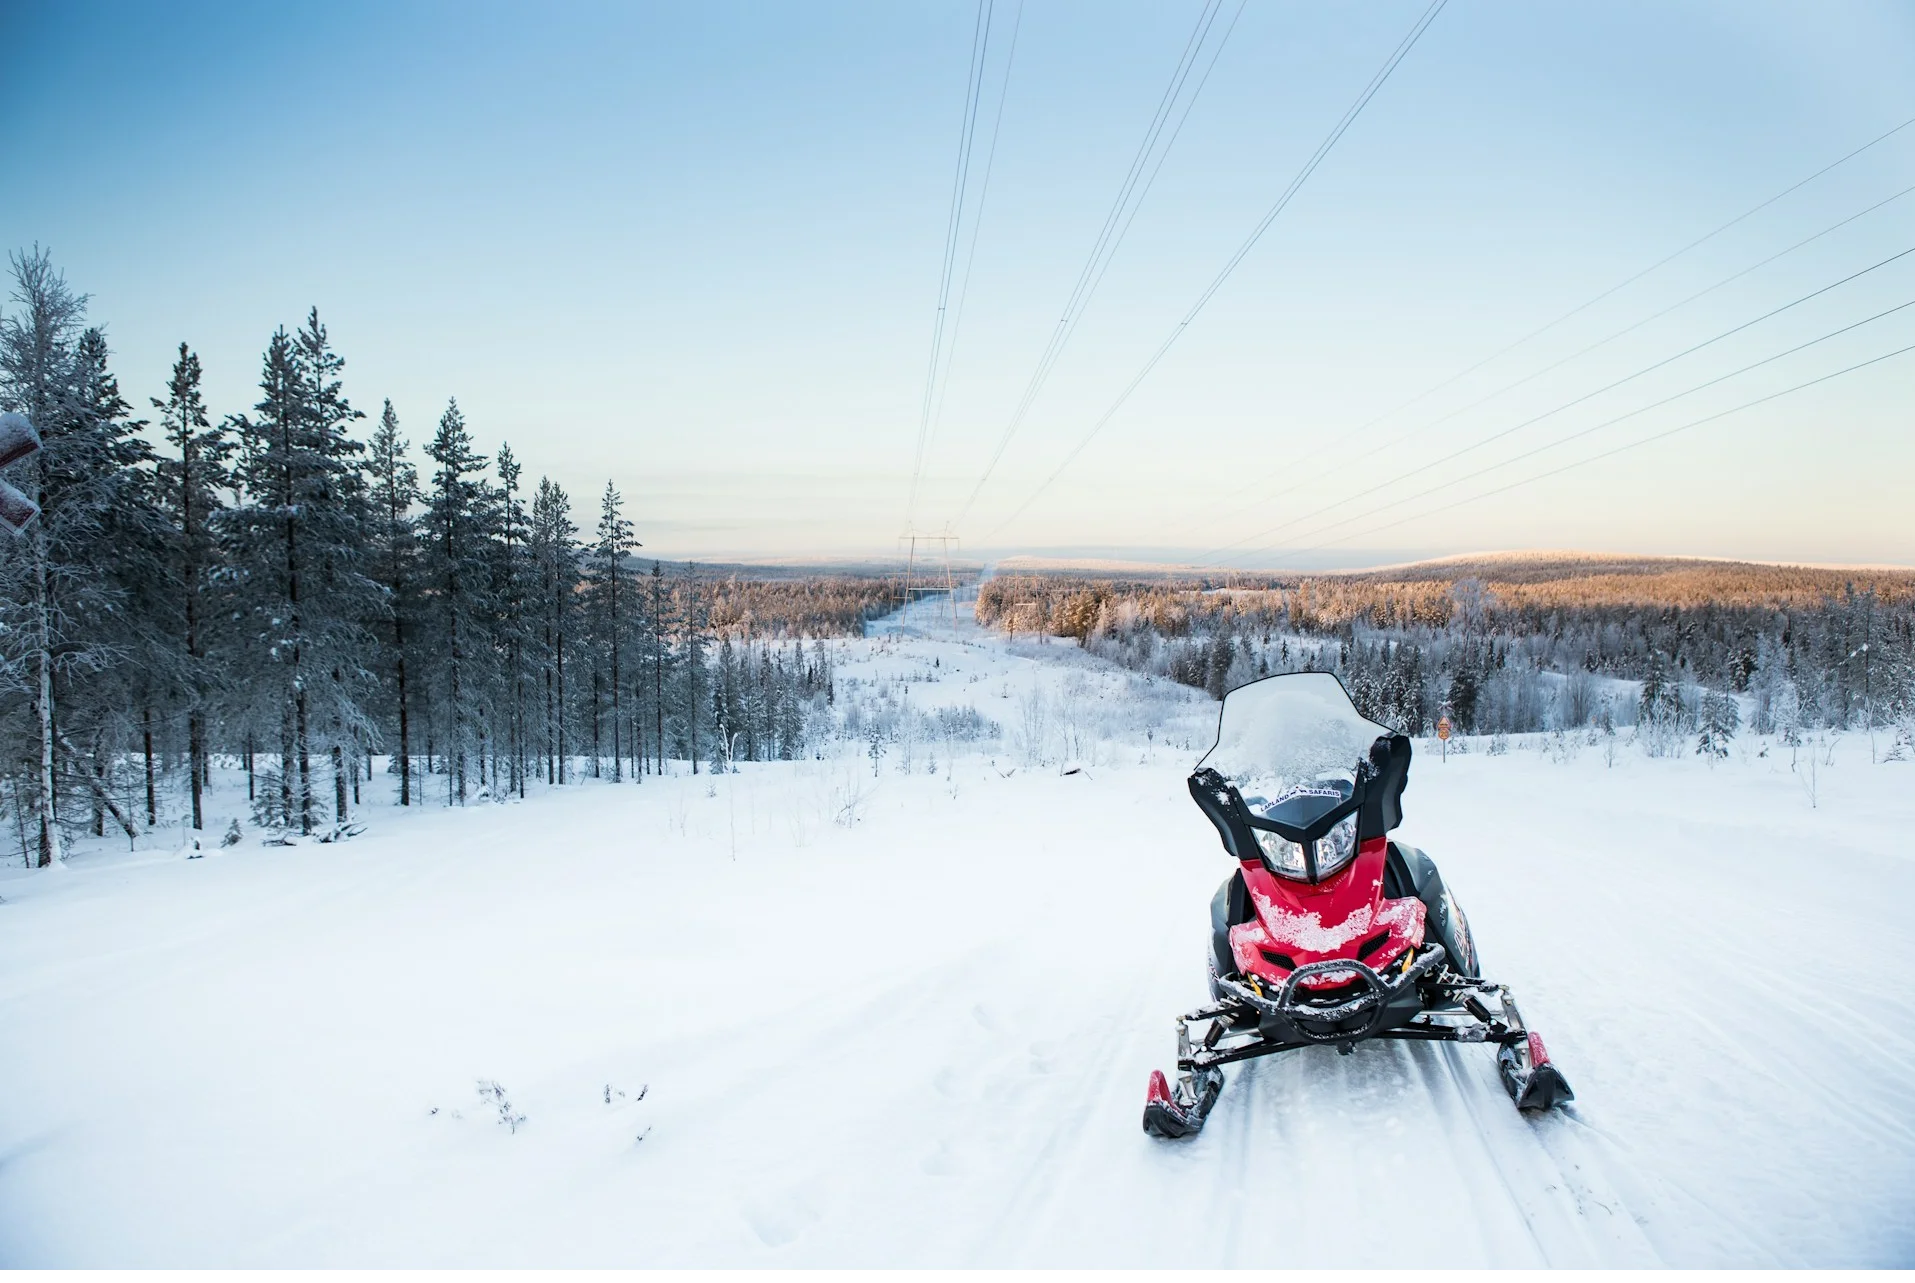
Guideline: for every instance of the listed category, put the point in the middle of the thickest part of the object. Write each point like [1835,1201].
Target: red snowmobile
[1329,933]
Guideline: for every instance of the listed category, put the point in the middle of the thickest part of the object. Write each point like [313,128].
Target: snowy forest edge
[284,593]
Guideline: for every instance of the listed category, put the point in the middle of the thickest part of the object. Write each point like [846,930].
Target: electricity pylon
[944,542]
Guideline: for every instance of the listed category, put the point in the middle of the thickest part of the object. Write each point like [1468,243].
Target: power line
[1631,280]
[1162,156]
[1621,449]
[1263,225]
[1116,225]
[1535,419]
[977,223]
[1293,466]
[974,81]
[1597,427]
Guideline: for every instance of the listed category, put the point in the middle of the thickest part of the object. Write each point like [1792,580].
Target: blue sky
[696,249]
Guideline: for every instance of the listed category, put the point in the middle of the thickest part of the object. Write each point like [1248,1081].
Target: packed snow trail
[738,1032]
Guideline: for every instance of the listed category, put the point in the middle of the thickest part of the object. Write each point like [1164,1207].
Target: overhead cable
[974,80]
[1230,265]
[1559,442]
[1292,466]
[1621,449]
[1625,283]
[1570,404]
[977,223]
[1131,193]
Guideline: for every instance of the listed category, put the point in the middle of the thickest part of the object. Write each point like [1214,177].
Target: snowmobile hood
[1342,917]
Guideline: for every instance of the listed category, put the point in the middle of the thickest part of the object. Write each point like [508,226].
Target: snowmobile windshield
[1292,745]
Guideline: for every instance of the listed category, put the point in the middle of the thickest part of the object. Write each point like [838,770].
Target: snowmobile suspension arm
[1219,1045]
[1207,1053]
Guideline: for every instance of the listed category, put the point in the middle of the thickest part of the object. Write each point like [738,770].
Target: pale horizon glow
[697,252]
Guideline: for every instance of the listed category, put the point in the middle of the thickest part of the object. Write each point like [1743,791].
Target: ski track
[1237,1135]
[935,1050]
[1018,1228]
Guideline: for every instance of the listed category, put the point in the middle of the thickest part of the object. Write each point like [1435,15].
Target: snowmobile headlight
[1285,856]
[1337,847]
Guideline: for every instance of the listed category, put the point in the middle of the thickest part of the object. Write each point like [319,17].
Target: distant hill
[1542,578]
[1589,579]
[769,570]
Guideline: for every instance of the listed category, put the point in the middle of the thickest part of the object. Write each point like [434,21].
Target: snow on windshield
[1291,735]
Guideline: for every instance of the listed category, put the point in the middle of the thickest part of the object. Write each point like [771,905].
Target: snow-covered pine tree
[515,597]
[1770,666]
[190,482]
[1464,688]
[784,719]
[297,545]
[76,641]
[752,700]
[460,512]
[695,699]
[260,533]
[609,608]
[127,610]
[638,629]
[1718,718]
[729,723]
[39,367]
[394,566]
[658,658]
[555,566]
[1649,703]
[344,597]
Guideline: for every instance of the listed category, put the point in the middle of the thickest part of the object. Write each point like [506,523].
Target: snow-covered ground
[805,1015]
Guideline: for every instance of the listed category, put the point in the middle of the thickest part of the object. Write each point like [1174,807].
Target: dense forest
[1688,651]
[286,590]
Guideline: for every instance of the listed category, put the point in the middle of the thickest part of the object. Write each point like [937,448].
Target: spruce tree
[1659,694]
[395,493]
[728,721]
[515,596]
[1718,719]
[555,557]
[129,613]
[657,620]
[298,547]
[190,483]
[340,525]
[260,535]
[695,687]
[608,566]
[457,514]
[106,557]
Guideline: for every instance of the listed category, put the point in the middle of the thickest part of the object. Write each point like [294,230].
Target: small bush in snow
[847,803]
[492,1096]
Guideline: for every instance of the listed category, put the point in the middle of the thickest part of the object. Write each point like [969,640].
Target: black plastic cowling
[1382,806]
[1218,799]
